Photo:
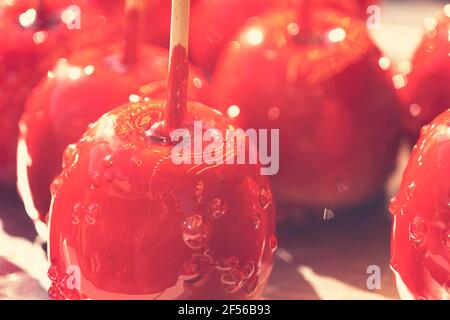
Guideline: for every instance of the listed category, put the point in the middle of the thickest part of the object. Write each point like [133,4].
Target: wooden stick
[178,65]
[133,9]
[179,27]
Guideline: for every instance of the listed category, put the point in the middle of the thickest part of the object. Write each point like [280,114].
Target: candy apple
[120,201]
[421,228]
[320,83]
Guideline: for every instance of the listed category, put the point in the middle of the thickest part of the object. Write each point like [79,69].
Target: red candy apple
[31,37]
[127,221]
[140,227]
[421,229]
[427,92]
[321,85]
[77,92]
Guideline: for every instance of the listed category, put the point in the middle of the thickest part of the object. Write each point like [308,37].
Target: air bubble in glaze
[195,231]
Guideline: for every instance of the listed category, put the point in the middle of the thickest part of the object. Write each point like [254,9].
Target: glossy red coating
[421,228]
[77,92]
[214,23]
[31,39]
[427,91]
[177,88]
[336,109]
[140,227]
